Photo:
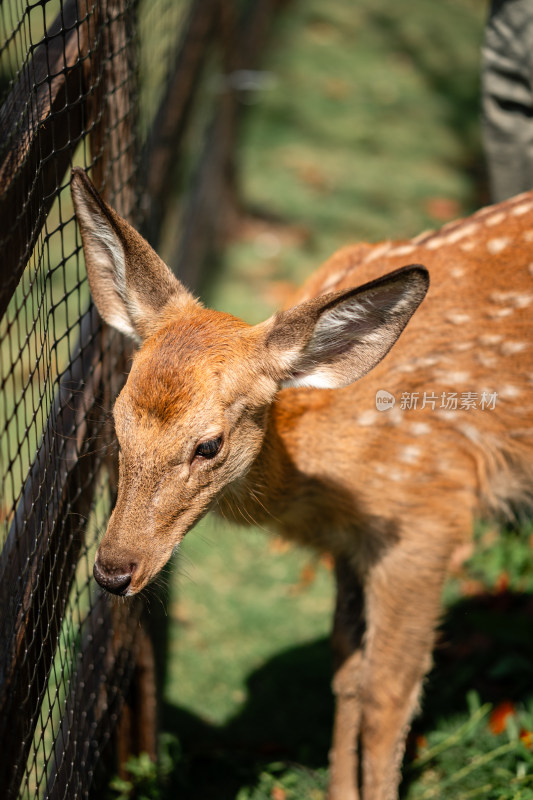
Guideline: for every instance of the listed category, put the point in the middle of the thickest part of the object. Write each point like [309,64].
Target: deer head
[192,416]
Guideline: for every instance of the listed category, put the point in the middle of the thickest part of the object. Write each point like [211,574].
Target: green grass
[370,130]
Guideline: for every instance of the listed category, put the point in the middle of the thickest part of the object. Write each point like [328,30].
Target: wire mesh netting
[69,95]
[58,367]
[107,85]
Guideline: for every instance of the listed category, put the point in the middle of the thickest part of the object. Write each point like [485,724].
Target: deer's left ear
[129,283]
[331,341]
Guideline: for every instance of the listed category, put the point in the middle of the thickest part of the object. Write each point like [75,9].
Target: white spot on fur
[470,432]
[489,339]
[510,348]
[500,297]
[495,246]
[422,236]
[458,318]
[459,377]
[523,208]
[427,361]
[523,301]
[435,243]
[395,474]
[516,299]
[453,223]
[409,366]
[395,416]
[486,360]
[453,378]
[500,313]
[467,246]
[462,232]
[331,281]
[462,347]
[509,392]
[402,250]
[410,454]
[420,428]
[457,272]
[419,363]
[446,415]
[378,251]
[367,418]
[495,219]
[484,212]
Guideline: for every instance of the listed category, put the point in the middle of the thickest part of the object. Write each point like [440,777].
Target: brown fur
[389,493]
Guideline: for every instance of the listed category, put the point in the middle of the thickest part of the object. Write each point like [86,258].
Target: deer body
[265,424]
[477,341]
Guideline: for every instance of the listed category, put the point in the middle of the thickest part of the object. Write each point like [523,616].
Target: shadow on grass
[485,645]
[287,717]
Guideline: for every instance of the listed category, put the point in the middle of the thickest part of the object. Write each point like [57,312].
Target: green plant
[146,779]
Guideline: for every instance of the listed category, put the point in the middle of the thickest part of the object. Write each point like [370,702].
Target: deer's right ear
[334,339]
[129,283]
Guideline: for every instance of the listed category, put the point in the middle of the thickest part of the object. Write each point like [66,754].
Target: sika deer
[265,422]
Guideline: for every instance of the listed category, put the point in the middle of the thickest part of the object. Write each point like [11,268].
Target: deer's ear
[330,341]
[129,283]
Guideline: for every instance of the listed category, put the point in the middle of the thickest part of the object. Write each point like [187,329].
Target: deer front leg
[402,602]
[347,653]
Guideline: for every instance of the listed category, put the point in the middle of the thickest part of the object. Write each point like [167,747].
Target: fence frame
[63,69]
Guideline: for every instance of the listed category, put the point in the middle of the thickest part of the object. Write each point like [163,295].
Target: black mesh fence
[137,93]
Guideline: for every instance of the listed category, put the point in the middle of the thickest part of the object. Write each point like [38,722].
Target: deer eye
[208,449]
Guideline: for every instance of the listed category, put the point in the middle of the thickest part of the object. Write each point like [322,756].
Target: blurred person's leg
[507,97]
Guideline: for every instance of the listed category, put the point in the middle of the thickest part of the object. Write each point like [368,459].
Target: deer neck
[284,489]
[262,495]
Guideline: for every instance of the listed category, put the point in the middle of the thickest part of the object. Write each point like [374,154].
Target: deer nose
[115,579]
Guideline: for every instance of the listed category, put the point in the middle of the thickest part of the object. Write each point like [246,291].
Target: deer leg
[402,602]
[346,642]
